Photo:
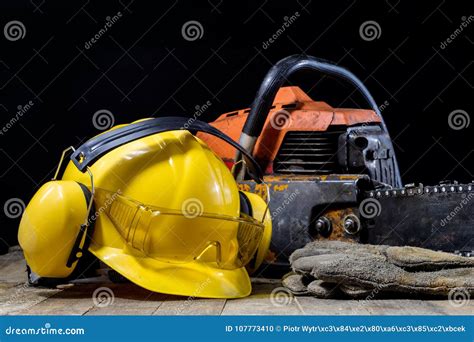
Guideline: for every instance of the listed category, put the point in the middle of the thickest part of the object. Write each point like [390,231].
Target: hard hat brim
[192,279]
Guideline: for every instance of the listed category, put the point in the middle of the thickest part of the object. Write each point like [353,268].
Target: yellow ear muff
[50,227]
[257,208]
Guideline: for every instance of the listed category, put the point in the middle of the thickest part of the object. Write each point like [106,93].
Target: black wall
[142,66]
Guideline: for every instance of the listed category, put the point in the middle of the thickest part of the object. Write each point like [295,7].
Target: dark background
[142,66]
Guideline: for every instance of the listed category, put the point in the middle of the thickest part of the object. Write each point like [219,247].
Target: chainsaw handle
[276,77]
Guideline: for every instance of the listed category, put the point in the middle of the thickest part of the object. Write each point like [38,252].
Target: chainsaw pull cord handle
[276,77]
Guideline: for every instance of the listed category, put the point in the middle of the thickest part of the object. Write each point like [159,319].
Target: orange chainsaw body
[292,110]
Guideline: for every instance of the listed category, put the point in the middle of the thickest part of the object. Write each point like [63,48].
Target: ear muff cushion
[245,206]
[86,191]
[88,262]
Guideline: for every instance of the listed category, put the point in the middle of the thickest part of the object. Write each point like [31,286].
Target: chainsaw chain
[418,190]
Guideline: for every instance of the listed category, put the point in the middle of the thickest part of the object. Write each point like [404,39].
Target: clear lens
[169,235]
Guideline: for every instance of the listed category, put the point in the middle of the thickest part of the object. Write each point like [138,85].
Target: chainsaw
[332,173]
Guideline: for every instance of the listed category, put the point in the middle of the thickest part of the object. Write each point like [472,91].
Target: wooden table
[16,298]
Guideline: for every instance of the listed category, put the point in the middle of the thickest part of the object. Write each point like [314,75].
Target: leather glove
[331,269]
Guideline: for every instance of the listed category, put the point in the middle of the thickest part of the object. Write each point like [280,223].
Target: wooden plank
[402,307]
[129,299]
[316,306]
[17,298]
[448,308]
[12,267]
[175,305]
[81,300]
[260,303]
[72,301]
[271,299]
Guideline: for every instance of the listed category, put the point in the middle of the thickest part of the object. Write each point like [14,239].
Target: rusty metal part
[337,217]
[299,202]
[304,207]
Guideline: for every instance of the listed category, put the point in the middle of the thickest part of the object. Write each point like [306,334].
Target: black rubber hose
[279,74]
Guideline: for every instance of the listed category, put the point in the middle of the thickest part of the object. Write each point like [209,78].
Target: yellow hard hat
[168,214]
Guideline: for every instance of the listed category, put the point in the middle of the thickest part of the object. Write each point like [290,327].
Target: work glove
[332,269]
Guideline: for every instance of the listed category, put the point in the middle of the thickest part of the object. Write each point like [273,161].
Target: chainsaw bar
[437,217]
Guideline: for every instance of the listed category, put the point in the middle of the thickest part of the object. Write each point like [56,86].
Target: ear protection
[56,214]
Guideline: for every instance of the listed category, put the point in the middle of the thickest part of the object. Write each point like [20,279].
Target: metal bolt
[323,226]
[351,224]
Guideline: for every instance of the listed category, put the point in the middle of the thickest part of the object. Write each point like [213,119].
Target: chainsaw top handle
[276,77]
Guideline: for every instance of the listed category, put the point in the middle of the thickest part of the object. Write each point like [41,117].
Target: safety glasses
[177,236]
